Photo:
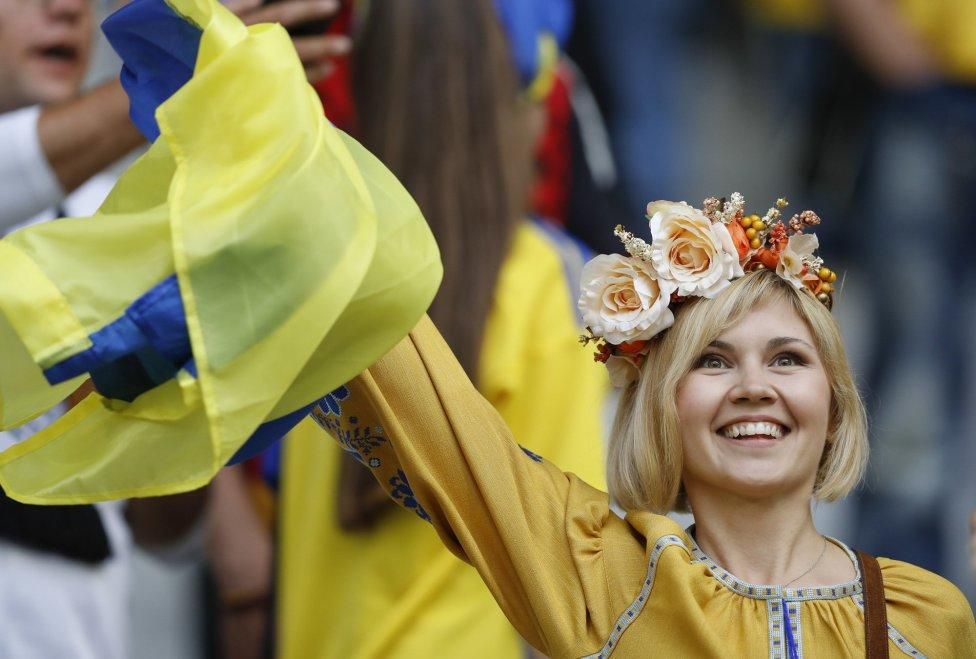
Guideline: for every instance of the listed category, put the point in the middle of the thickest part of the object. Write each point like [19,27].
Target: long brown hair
[437,101]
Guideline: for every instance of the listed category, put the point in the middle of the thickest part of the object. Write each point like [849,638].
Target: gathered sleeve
[442,451]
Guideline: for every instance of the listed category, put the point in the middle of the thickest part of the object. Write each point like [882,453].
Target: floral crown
[628,300]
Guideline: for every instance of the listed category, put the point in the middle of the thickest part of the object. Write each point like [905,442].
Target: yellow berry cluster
[753,225]
[828,277]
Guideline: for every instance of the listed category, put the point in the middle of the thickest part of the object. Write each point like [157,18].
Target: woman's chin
[756,482]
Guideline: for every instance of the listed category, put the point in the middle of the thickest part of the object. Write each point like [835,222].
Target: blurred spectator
[54,140]
[919,171]
[64,570]
[822,100]
[379,576]
[64,575]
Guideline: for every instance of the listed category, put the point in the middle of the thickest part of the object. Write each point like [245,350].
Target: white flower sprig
[733,209]
[635,246]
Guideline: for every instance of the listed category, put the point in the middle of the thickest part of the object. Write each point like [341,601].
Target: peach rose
[688,249]
[623,300]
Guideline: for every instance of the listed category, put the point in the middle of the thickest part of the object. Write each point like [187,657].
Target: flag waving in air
[254,259]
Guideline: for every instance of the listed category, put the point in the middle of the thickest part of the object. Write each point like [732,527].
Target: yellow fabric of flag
[300,260]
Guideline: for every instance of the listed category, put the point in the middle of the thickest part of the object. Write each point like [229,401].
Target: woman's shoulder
[923,604]
[905,578]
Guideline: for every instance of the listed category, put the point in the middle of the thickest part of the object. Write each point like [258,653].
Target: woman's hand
[316,52]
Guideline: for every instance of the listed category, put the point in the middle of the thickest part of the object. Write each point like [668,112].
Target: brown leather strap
[875,612]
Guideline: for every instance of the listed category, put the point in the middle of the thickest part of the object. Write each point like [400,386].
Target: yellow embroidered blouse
[575,579]
[399,593]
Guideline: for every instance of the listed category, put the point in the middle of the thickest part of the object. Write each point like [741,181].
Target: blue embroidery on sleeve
[355,439]
[534,456]
[331,403]
[403,493]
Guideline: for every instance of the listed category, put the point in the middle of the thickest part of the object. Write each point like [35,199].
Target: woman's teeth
[761,428]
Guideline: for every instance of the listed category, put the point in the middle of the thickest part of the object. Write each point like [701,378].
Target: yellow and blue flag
[253,260]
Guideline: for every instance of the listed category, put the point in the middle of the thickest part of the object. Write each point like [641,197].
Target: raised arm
[440,450]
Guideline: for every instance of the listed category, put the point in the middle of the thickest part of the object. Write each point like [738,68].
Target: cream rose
[799,247]
[688,249]
[623,300]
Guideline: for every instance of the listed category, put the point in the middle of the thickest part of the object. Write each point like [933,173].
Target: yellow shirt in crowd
[395,592]
[947,26]
[575,579]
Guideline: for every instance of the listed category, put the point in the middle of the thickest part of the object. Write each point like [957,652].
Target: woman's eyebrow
[780,341]
[772,344]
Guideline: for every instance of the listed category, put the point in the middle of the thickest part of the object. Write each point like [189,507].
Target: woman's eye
[788,359]
[711,361]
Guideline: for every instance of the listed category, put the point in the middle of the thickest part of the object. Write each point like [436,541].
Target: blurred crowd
[527,130]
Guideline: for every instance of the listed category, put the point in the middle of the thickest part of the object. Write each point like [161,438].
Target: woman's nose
[752,385]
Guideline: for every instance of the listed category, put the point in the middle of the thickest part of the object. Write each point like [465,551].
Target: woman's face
[754,410]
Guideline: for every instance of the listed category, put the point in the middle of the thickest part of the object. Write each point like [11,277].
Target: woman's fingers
[240,7]
[312,50]
[290,12]
[317,53]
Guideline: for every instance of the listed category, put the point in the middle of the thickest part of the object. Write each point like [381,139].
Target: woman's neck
[759,541]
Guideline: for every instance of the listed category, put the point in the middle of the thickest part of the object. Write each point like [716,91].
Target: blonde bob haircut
[645,455]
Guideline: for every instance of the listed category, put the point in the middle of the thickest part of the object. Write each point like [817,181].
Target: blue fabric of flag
[159,49]
[268,434]
[271,465]
[146,347]
[154,324]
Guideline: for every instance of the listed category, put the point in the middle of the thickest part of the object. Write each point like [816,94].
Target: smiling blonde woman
[739,405]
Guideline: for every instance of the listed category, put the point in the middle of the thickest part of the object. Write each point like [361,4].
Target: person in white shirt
[64,580]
